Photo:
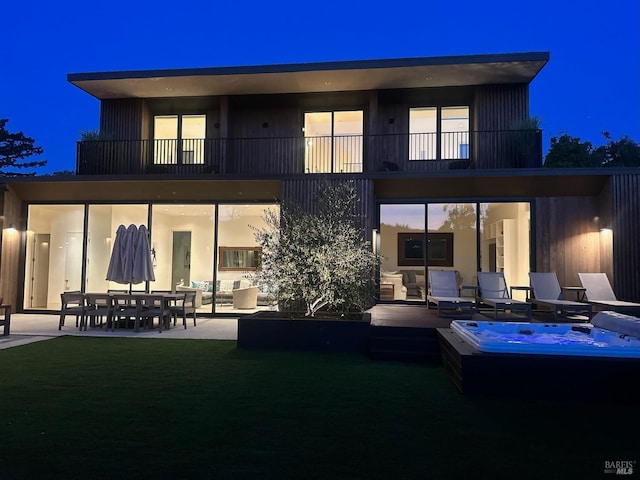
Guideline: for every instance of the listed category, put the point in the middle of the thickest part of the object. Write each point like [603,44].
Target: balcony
[418,152]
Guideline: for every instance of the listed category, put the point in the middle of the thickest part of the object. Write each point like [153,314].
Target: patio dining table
[134,304]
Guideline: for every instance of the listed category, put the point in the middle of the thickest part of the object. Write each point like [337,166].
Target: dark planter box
[318,335]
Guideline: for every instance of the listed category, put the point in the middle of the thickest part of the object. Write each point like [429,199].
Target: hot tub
[547,338]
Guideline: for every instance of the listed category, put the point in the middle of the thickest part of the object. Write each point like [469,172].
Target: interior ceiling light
[327,83]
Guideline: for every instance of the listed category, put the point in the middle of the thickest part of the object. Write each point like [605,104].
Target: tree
[14,148]
[59,173]
[622,153]
[319,259]
[566,151]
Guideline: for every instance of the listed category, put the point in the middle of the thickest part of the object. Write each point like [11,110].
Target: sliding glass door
[451,241]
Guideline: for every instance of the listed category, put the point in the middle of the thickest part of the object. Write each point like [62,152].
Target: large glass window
[439,133]
[238,258]
[452,240]
[179,139]
[402,274]
[104,221]
[504,245]
[423,128]
[54,254]
[451,243]
[182,247]
[333,142]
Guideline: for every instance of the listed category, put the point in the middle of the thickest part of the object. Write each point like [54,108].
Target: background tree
[14,148]
[318,258]
[58,173]
[622,153]
[566,151]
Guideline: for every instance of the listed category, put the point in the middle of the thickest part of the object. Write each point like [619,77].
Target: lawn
[145,408]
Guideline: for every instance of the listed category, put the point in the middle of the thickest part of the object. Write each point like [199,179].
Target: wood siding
[11,249]
[262,134]
[625,223]
[498,108]
[266,145]
[303,191]
[568,238]
[123,119]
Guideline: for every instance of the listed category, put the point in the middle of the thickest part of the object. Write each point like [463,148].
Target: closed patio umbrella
[131,260]
[142,261]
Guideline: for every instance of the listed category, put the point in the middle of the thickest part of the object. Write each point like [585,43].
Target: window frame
[179,140]
[438,134]
[334,138]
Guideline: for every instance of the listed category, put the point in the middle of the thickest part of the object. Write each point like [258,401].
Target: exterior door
[40,271]
[181,259]
[73,261]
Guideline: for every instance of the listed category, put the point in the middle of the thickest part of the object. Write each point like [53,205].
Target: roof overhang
[420,72]
[119,190]
[461,184]
[495,184]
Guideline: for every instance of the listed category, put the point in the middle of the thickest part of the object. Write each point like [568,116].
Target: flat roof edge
[541,56]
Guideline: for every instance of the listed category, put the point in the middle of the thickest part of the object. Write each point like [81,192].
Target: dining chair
[73,303]
[183,306]
[125,308]
[99,306]
[151,306]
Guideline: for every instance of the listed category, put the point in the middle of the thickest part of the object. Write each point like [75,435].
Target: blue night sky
[590,84]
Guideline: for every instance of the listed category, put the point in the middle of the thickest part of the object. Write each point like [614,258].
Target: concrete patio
[27,328]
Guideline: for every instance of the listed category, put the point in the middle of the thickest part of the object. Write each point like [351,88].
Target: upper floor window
[178,139]
[333,142]
[439,133]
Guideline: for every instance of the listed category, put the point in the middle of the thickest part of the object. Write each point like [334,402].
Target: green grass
[138,408]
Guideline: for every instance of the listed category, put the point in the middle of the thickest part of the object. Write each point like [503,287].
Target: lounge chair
[598,292]
[547,295]
[495,294]
[446,295]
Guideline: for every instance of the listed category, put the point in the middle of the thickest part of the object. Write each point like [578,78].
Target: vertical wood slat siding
[9,273]
[626,231]
[567,237]
[266,144]
[497,108]
[303,191]
[389,143]
[123,119]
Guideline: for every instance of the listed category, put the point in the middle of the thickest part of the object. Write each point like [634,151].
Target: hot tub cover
[618,322]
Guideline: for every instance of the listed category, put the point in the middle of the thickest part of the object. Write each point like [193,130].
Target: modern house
[446,164]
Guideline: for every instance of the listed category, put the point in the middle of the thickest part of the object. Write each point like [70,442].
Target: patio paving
[27,328]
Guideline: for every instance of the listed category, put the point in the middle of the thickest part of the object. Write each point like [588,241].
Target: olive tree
[319,259]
